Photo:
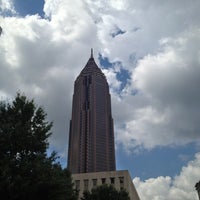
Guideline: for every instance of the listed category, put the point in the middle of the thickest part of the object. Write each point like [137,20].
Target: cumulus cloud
[169,81]
[144,24]
[180,187]
[42,57]
[7,6]
[157,43]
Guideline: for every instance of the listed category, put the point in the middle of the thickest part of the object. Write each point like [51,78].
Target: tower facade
[91,134]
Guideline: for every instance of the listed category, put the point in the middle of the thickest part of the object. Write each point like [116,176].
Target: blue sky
[29,7]
[149,52]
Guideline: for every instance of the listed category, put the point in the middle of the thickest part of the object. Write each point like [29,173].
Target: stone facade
[119,179]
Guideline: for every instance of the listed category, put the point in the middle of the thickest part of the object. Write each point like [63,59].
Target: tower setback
[91,134]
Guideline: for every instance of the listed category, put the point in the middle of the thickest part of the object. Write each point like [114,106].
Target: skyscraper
[91,135]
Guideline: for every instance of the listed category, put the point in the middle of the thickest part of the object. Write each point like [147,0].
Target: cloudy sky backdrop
[150,54]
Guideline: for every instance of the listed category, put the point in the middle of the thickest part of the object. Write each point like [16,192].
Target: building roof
[91,67]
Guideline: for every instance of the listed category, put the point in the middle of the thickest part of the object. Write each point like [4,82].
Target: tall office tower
[91,137]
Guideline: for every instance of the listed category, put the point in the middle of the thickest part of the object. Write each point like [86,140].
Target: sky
[149,52]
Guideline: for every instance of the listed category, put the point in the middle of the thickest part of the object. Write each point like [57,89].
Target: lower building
[119,179]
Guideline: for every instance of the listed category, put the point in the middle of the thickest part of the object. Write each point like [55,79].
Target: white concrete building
[119,179]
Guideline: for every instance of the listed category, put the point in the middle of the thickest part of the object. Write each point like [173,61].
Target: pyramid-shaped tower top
[91,67]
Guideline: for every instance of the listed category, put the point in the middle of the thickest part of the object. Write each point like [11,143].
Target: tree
[26,172]
[105,192]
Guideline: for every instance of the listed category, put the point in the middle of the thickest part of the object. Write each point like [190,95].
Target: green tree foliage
[105,192]
[26,172]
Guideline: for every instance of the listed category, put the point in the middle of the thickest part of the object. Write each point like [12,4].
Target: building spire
[91,53]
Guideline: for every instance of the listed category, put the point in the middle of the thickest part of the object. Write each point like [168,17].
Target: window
[121,181]
[112,181]
[77,184]
[86,183]
[103,180]
[94,182]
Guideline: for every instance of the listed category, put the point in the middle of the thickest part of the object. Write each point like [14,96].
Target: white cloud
[42,57]
[169,81]
[7,6]
[180,187]
[144,23]
[159,47]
